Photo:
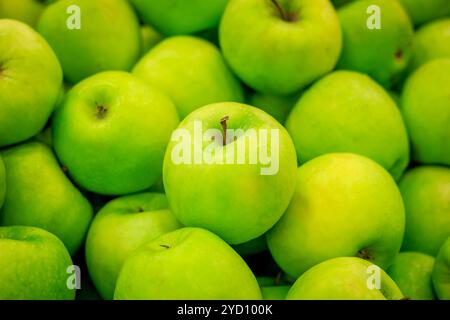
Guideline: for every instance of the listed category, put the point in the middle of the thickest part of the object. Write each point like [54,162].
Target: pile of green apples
[93,206]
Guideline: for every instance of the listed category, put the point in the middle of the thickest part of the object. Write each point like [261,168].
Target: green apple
[119,228]
[345,278]
[27,11]
[112,131]
[252,247]
[33,264]
[149,38]
[425,108]
[280,46]
[173,17]
[411,271]
[278,107]
[432,41]
[422,11]
[30,75]
[275,292]
[349,112]
[2,182]
[191,71]
[228,188]
[381,53]
[108,37]
[51,203]
[441,272]
[426,194]
[344,205]
[189,263]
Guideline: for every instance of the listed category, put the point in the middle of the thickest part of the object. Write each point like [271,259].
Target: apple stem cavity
[223,123]
[101,111]
[283,14]
[365,254]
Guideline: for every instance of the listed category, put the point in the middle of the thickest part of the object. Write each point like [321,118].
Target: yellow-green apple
[30,80]
[191,71]
[426,194]
[411,271]
[384,52]
[441,272]
[173,17]
[344,205]
[2,182]
[230,168]
[91,36]
[189,263]
[426,110]
[33,265]
[422,11]
[432,41]
[119,228]
[280,46]
[149,38]
[348,112]
[27,11]
[112,131]
[39,194]
[345,278]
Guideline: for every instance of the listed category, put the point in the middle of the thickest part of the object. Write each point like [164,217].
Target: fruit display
[225,150]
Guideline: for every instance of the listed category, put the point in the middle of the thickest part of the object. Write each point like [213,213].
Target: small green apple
[426,111]
[344,278]
[112,131]
[252,247]
[411,271]
[108,37]
[191,71]
[344,205]
[228,188]
[33,264]
[278,107]
[275,292]
[189,263]
[381,53]
[422,11]
[30,79]
[119,228]
[426,194]
[149,38]
[2,182]
[53,203]
[432,41]
[173,17]
[441,272]
[27,11]
[348,112]
[280,46]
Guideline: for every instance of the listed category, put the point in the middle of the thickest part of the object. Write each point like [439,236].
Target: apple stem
[164,246]
[223,123]
[280,10]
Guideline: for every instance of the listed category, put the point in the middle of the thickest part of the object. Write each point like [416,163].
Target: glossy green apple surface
[191,71]
[39,194]
[422,11]
[112,131]
[118,229]
[345,278]
[108,38]
[280,46]
[441,272]
[30,75]
[33,264]
[189,263]
[237,200]
[426,195]
[411,271]
[348,112]
[344,205]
